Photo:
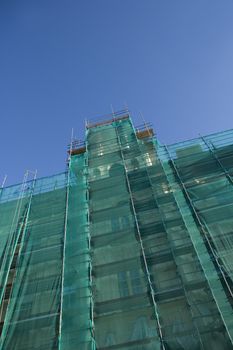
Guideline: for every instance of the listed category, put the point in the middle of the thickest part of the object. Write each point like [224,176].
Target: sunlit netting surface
[200,175]
[130,248]
[150,286]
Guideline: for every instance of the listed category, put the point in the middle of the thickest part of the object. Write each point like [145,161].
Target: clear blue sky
[62,61]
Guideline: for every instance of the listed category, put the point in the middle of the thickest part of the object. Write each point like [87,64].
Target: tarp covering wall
[142,245]
[76,324]
[33,310]
[130,248]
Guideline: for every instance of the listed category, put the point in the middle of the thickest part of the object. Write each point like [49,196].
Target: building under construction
[130,248]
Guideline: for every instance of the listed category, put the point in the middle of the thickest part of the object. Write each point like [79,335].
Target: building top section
[142,131]
[187,150]
[107,119]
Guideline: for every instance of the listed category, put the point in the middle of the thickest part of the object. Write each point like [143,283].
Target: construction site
[130,248]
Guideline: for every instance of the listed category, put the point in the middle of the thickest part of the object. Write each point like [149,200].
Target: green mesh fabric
[210,187]
[9,235]
[13,210]
[199,172]
[123,312]
[126,172]
[76,330]
[131,248]
[33,311]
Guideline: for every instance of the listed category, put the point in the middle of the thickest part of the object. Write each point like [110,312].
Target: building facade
[130,248]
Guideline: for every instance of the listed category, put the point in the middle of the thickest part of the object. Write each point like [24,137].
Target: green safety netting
[13,209]
[76,327]
[34,301]
[202,170]
[131,248]
[142,246]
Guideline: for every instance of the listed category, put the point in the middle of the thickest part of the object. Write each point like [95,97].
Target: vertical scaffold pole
[2,186]
[92,325]
[152,293]
[202,227]
[13,236]
[145,125]
[64,240]
[3,181]
[22,230]
[164,225]
[212,149]
[216,292]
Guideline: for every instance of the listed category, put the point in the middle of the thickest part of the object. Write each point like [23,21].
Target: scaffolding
[31,308]
[130,248]
[189,314]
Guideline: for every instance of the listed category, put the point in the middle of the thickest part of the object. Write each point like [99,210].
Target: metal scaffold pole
[152,292]
[64,240]
[150,135]
[212,152]
[20,233]
[89,244]
[13,234]
[202,227]
[217,291]
[3,181]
